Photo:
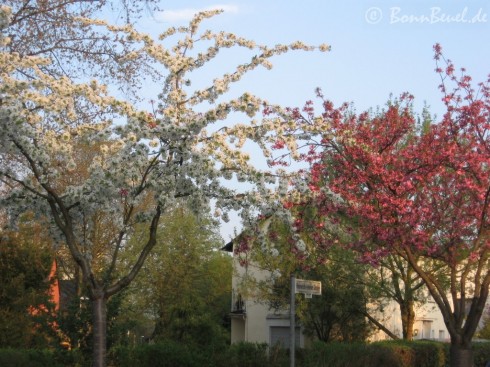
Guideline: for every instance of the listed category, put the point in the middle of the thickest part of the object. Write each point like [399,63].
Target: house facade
[429,323]
[254,321]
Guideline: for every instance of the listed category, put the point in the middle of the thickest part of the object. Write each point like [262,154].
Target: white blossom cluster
[64,146]
[5,14]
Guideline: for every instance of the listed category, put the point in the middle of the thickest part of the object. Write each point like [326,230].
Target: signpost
[292,321]
[308,288]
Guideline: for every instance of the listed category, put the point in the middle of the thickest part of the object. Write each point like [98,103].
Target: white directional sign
[308,287]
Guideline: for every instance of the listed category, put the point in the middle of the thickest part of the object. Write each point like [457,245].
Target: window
[442,335]
[280,335]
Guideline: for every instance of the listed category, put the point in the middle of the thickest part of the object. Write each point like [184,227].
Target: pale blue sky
[368,61]
[379,47]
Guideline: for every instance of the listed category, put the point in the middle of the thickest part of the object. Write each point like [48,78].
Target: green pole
[292,320]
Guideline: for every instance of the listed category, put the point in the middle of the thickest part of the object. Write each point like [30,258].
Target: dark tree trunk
[99,312]
[460,356]
[408,318]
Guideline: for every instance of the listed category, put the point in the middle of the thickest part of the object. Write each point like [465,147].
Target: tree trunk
[99,313]
[460,356]
[408,318]
[381,326]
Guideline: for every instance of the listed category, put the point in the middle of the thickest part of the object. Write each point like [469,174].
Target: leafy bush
[13,358]
[247,355]
[417,353]
[348,355]
[163,354]
[37,358]
[481,353]
[171,354]
[393,354]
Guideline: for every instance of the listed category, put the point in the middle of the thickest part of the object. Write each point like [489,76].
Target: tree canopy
[415,189]
[140,162]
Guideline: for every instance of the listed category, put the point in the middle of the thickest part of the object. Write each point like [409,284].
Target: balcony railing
[237,303]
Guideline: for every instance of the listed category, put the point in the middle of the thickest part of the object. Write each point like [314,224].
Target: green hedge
[388,353]
[245,355]
[162,354]
[172,354]
[481,353]
[38,358]
[356,355]
[393,354]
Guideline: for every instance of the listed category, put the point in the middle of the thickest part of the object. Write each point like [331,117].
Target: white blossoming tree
[78,156]
[76,49]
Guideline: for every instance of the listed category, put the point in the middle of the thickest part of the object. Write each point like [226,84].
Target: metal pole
[292,319]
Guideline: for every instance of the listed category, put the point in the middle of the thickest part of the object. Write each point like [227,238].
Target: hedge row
[38,358]
[389,353]
[172,354]
[393,354]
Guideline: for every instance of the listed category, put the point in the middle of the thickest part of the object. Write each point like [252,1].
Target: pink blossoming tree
[420,191]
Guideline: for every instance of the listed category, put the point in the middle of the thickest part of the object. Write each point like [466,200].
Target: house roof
[264,222]
[228,247]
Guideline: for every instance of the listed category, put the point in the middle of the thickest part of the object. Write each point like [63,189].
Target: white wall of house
[252,320]
[429,323]
[256,323]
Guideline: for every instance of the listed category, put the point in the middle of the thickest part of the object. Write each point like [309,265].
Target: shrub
[162,354]
[416,353]
[172,354]
[247,355]
[38,358]
[13,358]
[481,353]
[393,354]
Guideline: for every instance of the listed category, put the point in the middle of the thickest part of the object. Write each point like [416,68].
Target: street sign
[308,287]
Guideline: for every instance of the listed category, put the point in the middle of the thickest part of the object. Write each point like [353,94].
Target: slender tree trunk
[380,326]
[461,356]
[99,312]
[407,313]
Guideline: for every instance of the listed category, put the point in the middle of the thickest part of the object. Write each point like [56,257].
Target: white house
[252,320]
[429,323]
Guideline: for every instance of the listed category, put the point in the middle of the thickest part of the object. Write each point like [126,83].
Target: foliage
[141,162]
[481,352]
[393,354]
[61,31]
[248,355]
[38,358]
[484,332]
[185,286]
[339,313]
[76,323]
[165,353]
[192,286]
[420,191]
[168,353]
[27,316]
[395,279]
[484,327]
